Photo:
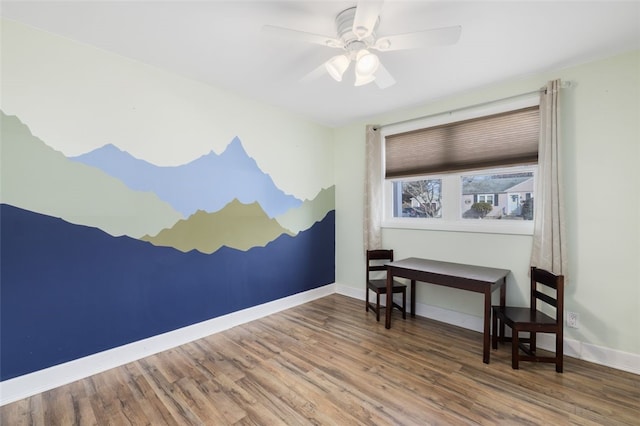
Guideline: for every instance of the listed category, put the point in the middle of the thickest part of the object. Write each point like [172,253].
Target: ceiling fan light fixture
[366,63]
[336,66]
[361,80]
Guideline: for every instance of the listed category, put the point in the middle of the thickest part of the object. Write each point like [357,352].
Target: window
[418,198]
[484,198]
[476,173]
[511,196]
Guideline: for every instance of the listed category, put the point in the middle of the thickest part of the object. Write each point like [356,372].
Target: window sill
[472,225]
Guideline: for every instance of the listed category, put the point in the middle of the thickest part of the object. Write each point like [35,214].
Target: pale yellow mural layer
[237,225]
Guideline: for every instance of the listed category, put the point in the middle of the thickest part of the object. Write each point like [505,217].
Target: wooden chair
[375,262]
[533,321]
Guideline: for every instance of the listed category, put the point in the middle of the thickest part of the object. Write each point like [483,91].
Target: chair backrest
[550,280]
[376,260]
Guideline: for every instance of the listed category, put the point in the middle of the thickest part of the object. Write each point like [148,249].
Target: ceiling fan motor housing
[344,26]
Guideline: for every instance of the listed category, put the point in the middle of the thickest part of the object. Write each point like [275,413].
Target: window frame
[451,219]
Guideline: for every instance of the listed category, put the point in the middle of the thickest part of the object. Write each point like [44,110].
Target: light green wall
[601,137]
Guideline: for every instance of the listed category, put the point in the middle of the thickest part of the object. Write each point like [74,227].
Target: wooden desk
[478,279]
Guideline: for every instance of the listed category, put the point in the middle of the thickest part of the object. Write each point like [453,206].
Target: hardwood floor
[330,362]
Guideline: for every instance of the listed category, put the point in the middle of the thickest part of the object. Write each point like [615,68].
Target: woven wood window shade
[504,139]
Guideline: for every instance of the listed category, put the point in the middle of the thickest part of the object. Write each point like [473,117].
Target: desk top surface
[473,272]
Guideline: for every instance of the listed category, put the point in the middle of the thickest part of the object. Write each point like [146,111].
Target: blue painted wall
[69,291]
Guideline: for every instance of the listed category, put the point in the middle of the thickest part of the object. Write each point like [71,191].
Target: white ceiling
[220,43]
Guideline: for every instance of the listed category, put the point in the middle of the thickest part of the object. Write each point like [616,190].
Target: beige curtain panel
[373,189]
[549,241]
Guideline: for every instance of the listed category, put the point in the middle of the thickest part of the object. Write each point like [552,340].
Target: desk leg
[389,307]
[413,298]
[487,328]
[503,302]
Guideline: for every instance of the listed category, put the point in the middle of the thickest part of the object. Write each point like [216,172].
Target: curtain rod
[563,85]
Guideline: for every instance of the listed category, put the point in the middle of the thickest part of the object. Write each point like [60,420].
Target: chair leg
[532,342]
[494,331]
[514,349]
[367,300]
[404,304]
[378,307]
[559,352]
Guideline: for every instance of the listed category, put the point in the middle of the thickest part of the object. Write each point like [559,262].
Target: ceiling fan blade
[428,38]
[383,78]
[315,74]
[302,36]
[367,13]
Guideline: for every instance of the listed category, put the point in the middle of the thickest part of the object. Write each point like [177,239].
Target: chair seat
[380,286]
[523,316]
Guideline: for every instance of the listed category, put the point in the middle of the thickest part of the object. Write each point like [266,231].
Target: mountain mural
[37,178]
[106,249]
[237,225]
[207,183]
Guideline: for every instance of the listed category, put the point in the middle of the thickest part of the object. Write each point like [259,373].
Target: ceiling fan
[356,36]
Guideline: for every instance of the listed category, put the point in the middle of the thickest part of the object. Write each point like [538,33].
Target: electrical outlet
[572,319]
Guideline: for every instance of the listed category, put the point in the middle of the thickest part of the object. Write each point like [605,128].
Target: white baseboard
[427,311]
[613,358]
[40,381]
[608,357]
